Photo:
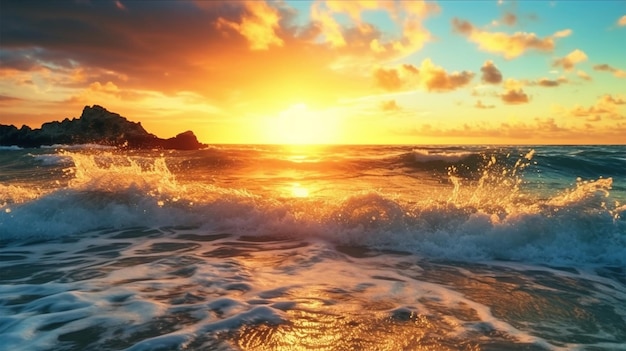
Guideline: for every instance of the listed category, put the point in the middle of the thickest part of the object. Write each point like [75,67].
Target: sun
[299,191]
[300,125]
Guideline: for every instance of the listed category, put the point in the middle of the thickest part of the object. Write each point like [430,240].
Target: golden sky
[364,72]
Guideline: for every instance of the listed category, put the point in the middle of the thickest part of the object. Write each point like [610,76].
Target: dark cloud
[514,97]
[19,59]
[172,46]
[139,41]
[490,73]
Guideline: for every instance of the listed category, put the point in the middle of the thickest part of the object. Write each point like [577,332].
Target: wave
[52,159]
[10,148]
[79,147]
[487,221]
[425,155]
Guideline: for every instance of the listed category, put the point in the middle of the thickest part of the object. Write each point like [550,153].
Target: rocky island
[96,125]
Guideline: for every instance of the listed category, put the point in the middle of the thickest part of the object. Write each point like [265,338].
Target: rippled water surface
[327,248]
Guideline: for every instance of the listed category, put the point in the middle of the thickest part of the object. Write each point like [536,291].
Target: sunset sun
[299,125]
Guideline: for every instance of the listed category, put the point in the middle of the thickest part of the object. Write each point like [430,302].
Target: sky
[352,72]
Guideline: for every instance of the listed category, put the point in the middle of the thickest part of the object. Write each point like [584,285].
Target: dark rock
[183,141]
[98,126]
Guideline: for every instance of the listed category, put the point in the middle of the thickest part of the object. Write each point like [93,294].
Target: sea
[269,247]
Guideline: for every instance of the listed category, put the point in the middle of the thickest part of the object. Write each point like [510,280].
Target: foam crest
[10,148]
[425,155]
[78,147]
[584,192]
[14,194]
[52,159]
[110,172]
[489,217]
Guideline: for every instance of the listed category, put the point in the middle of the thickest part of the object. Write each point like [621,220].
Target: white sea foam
[10,148]
[78,147]
[52,159]
[165,290]
[424,155]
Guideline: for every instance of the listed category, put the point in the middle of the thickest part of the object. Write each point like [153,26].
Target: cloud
[530,131]
[428,77]
[389,105]
[9,100]
[544,82]
[607,106]
[606,68]
[480,105]
[563,33]
[258,25]
[435,78]
[583,75]
[610,100]
[622,21]
[537,130]
[410,68]
[549,83]
[330,29]
[357,37]
[491,74]
[571,59]
[119,5]
[388,79]
[509,19]
[514,84]
[107,92]
[509,45]
[514,97]
[462,26]
[173,46]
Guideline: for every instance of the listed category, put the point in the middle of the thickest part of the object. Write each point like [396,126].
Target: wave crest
[488,218]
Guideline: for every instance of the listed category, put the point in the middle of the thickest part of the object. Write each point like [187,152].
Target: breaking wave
[487,219]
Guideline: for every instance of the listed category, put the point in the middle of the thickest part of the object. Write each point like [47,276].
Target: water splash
[497,186]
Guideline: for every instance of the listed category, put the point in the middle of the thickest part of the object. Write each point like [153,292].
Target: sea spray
[490,215]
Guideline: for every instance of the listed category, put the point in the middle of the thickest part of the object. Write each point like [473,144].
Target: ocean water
[313,248]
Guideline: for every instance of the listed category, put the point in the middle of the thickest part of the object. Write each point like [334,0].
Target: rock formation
[96,125]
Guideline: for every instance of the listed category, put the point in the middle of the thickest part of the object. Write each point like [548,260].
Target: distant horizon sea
[328,247]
